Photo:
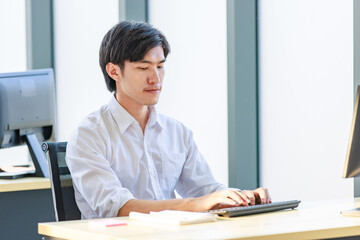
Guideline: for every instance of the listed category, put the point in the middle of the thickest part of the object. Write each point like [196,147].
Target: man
[127,157]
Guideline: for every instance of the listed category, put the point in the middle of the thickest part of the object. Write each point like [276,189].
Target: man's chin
[152,103]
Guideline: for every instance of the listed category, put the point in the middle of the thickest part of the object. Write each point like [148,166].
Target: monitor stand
[37,155]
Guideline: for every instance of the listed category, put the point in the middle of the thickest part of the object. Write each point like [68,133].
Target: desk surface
[312,220]
[23,184]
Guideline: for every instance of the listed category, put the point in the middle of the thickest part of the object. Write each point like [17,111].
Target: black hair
[128,41]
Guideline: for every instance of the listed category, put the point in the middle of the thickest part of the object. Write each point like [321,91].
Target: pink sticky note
[104,223]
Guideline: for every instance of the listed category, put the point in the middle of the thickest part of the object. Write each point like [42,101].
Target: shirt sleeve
[96,182]
[196,178]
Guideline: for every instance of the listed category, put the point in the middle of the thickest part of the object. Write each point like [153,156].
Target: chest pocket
[172,167]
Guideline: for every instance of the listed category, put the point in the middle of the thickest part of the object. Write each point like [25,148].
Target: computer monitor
[352,161]
[27,101]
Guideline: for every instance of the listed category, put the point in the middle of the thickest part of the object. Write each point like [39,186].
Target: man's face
[140,82]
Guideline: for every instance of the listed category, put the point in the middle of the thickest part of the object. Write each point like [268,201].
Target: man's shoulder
[91,132]
[96,118]
[93,122]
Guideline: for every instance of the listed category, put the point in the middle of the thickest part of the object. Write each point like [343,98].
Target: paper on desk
[14,169]
[172,217]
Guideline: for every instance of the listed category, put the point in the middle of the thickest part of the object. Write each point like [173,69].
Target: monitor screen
[352,161]
[27,101]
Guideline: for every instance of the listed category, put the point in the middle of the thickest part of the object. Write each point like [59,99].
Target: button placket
[152,169]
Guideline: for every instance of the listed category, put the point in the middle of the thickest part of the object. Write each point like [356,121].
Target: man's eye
[143,68]
[160,67]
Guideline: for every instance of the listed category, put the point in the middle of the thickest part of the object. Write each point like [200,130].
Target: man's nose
[154,76]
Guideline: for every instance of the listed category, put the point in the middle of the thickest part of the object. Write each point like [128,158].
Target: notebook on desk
[13,172]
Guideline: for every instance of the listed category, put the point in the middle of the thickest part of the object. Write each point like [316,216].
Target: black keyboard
[253,209]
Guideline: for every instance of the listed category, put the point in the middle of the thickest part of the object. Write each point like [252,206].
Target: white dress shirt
[111,161]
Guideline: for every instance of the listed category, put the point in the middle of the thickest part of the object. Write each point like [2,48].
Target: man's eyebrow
[146,61]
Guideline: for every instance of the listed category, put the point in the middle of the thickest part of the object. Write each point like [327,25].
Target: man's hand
[233,198]
[222,199]
[258,196]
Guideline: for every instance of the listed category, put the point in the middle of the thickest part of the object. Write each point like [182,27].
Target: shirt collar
[121,116]
[124,119]
[154,118]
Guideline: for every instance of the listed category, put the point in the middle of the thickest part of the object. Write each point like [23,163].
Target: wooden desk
[23,184]
[312,220]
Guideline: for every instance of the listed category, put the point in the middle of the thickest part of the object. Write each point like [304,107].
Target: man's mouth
[153,90]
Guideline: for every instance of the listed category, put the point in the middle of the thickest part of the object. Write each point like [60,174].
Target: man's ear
[114,71]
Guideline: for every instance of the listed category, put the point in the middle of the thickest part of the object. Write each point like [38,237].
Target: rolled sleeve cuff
[119,201]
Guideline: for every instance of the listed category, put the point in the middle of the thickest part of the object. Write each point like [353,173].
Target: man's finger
[268,195]
[240,198]
[250,195]
[227,201]
[262,194]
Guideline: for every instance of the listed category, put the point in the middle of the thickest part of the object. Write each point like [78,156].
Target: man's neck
[139,112]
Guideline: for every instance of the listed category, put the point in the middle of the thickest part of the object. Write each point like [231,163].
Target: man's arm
[220,199]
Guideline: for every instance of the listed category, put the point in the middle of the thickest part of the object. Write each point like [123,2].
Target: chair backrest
[61,183]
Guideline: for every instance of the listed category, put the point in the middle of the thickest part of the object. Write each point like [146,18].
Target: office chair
[61,184]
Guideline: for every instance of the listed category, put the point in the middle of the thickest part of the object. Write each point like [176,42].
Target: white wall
[195,85]
[79,28]
[13,36]
[13,59]
[306,91]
